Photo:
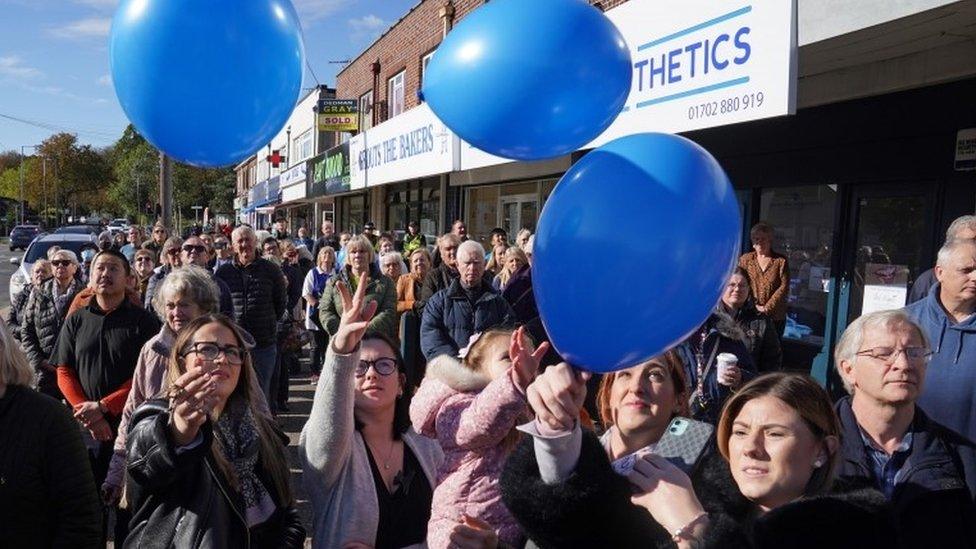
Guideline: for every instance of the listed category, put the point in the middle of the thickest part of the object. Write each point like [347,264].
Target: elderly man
[443,273]
[946,316]
[925,470]
[467,307]
[258,289]
[963,228]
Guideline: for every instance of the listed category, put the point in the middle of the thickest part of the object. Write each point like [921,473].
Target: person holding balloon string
[559,482]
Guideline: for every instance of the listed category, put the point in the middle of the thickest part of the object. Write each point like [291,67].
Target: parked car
[22,235]
[79,229]
[38,250]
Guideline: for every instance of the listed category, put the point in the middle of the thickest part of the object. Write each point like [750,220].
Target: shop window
[803,221]
[366,111]
[424,61]
[394,95]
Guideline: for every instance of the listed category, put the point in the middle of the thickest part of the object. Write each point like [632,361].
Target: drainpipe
[446,13]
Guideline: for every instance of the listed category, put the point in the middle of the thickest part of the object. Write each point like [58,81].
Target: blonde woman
[207,467]
[514,260]
[312,290]
[48,490]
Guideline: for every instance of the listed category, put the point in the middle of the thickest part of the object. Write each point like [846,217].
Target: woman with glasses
[186,294]
[760,334]
[207,466]
[44,314]
[369,476]
[169,259]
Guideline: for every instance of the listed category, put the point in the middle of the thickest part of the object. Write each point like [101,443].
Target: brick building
[864,161]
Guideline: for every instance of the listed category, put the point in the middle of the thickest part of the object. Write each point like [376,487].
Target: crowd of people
[146,379]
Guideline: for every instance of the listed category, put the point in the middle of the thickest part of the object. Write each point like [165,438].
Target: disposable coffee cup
[726,361]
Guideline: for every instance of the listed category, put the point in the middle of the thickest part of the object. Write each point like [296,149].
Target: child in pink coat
[471,407]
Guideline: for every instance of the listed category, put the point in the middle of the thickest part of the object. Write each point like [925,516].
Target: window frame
[395,83]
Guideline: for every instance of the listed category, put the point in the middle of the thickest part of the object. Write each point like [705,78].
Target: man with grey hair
[257,287]
[442,275]
[925,470]
[947,319]
[468,306]
[964,228]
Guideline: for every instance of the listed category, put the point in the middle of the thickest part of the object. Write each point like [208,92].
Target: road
[300,396]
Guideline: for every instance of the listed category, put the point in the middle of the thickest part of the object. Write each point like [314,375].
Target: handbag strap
[706,371]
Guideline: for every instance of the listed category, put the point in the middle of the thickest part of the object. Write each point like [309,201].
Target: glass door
[518,212]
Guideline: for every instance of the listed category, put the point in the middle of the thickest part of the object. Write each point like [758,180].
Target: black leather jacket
[182,500]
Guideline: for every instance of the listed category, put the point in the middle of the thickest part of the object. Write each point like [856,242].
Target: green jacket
[381,289]
[411,243]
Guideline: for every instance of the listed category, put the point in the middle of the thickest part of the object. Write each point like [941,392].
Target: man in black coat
[257,287]
[328,238]
[927,471]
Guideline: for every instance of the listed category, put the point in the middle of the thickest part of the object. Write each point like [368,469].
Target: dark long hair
[401,409]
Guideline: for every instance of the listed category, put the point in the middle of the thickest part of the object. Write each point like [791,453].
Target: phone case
[683,442]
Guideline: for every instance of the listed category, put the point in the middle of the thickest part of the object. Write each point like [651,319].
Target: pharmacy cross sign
[275,158]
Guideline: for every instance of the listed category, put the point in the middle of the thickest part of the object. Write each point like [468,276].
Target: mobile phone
[683,442]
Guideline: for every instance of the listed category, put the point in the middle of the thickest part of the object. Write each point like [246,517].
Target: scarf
[61,299]
[240,445]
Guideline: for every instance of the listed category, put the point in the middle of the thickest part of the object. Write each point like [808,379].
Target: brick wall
[402,48]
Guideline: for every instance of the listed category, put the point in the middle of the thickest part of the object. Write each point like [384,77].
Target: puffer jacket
[450,319]
[15,316]
[152,286]
[470,416]
[760,338]
[722,335]
[380,289]
[180,499]
[258,291]
[42,324]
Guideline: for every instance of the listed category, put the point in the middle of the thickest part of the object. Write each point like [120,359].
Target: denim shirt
[887,469]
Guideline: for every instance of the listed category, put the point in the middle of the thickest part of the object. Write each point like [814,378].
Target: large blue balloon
[208,83]
[530,79]
[633,249]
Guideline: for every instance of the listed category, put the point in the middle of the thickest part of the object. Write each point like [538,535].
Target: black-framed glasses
[383,366]
[210,351]
[194,248]
[888,355]
[61,262]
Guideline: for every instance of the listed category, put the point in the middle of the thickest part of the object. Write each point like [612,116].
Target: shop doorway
[518,212]
[885,244]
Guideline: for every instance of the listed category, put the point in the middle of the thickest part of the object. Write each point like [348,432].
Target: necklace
[389,455]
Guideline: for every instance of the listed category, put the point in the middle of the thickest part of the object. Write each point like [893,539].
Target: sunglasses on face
[143,258]
[60,263]
[191,248]
[383,366]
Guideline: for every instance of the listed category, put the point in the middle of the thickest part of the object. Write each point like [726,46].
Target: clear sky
[54,69]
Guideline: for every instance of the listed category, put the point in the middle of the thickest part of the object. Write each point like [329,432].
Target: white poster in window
[885,287]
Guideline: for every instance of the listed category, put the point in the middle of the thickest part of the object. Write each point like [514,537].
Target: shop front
[261,200]
[295,206]
[402,163]
[860,194]
[329,188]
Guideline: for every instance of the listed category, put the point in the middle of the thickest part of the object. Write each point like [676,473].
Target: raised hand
[191,400]
[525,363]
[557,396]
[355,317]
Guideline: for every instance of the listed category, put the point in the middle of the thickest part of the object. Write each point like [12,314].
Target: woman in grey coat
[369,476]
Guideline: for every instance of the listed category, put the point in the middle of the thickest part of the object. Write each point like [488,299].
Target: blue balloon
[208,83]
[530,79]
[633,250]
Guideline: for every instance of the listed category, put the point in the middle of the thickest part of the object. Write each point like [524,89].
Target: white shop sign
[294,176]
[294,192]
[705,63]
[698,64]
[411,145]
